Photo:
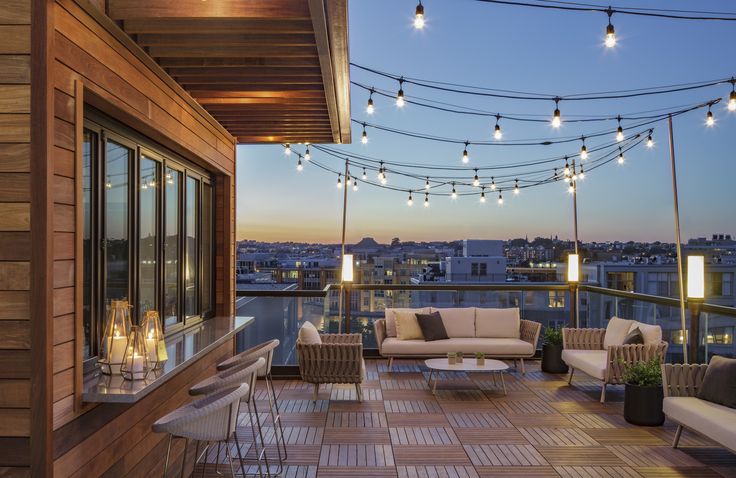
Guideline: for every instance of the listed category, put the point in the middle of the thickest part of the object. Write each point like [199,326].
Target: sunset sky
[514,48]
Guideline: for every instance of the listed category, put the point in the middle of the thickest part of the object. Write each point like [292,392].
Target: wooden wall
[15,237]
[82,58]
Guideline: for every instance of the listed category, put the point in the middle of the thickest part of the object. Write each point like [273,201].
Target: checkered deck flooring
[542,428]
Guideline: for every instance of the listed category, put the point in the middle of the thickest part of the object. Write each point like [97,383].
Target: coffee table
[496,367]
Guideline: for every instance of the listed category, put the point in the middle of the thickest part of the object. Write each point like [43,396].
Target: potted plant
[552,351]
[451,358]
[480,359]
[459,357]
[643,393]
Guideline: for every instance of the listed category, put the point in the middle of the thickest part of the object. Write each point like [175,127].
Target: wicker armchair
[338,359]
[613,361]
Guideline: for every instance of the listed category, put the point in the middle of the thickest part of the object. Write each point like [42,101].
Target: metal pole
[575,299]
[678,243]
[342,252]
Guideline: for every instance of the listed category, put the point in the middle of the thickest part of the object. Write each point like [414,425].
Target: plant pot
[459,358]
[451,360]
[643,405]
[552,359]
[481,362]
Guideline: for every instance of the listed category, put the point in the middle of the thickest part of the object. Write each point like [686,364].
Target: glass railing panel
[716,332]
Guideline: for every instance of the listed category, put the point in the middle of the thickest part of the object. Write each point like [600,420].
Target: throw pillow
[652,333]
[634,337]
[719,383]
[616,331]
[432,326]
[407,327]
[309,335]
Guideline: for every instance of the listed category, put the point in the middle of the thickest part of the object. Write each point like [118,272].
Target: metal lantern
[114,337]
[135,364]
[155,344]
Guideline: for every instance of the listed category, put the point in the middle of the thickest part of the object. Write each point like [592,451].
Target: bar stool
[243,373]
[212,418]
[265,350]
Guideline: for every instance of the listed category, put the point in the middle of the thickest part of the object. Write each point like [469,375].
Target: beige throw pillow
[309,335]
[407,326]
[497,323]
[616,331]
[652,333]
[391,318]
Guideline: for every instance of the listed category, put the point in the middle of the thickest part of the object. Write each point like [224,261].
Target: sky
[514,48]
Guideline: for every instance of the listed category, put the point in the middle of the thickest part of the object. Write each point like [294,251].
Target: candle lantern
[135,364]
[155,345]
[114,337]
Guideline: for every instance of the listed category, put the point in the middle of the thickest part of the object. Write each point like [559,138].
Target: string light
[307,155]
[650,141]
[370,109]
[453,195]
[621,158]
[516,187]
[483,195]
[581,174]
[426,199]
[299,165]
[108,184]
[583,150]
[287,149]
[381,176]
[400,95]
[169,178]
[419,16]
[339,182]
[709,120]
[476,180]
[556,117]
[466,158]
[365,175]
[410,201]
[619,130]
[500,199]
[144,186]
[493,184]
[355,185]
[610,40]
[567,167]
[364,136]
[571,188]
[732,96]
[426,184]
[497,134]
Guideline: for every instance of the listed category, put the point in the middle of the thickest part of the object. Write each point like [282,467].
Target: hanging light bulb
[426,184]
[621,158]
[384,179]
[152,182]
[571,188]
[365,175]
[419,16]
[299,165]
[497,134]
[556,117]
[410,201]
[144,186]
[493,184]
[339,182]
[619,130]
[380,171]
[567,168]
[400,95]
[307,155]
[554,176]
[169,178]
[709,120]
[355,185]
[483,195]
[287,149]
[500,199]
[370,109]
[610,39]
[364,136]
[426,199]
[476,180]
[516,187]
[454,193]
[108,184]
[650,141]
[466,158]
[732,97]
[581,174]
[583,150]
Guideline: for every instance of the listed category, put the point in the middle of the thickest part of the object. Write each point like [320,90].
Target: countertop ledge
[183,348]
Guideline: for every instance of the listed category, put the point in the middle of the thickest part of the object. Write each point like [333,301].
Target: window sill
[184,348]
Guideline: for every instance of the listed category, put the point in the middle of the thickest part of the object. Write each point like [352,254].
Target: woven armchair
[618,357]
[338,359]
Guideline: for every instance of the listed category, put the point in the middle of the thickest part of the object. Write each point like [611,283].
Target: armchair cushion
[459,322]
[719,383]
[392,346]
[592,362]
[390,314]
[407,327]
[309,335]
[497,323]
[616,331]
[712,420]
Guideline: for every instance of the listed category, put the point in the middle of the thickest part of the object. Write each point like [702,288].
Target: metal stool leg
[255,442]
[278,428]
[263,442]
[168,453]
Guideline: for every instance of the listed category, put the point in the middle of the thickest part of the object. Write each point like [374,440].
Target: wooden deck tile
[637,455]
[589,420]
[588,407]
[712,456]
[597,472]
[557,437]
[356,455]
[539,420]
[516,471]
[417,419]
[678,472]
[478,420]
[687,439]
[350,394]
[624,436]
[350,435]
[526,407]
[423,436]
[505,455]
[293,435]
[430,455]
[490,436]
[581,456]
[365,406]
[437,472]
[355,472]
[303,419]
[409,406]
[408,394]
[357,419]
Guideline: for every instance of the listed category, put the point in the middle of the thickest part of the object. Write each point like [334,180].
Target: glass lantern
[114,337]
[155,344]
[135,364]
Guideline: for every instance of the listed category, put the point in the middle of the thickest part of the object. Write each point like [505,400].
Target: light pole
[695,299]
[573,279]
[347,280]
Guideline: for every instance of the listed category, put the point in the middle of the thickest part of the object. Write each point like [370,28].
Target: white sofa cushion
[652,333]
[497,323]
[490,347]
[617,331]
[592,362]
[308,334]
[712,420]
[459,322]
[391,318]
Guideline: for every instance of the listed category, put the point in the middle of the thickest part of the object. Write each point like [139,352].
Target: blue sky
[516,48]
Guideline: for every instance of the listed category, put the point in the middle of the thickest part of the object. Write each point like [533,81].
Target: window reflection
[171,247]
[117,247]
[192,239]
[148,184]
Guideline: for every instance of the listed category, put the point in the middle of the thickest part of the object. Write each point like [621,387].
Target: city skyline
[629,202]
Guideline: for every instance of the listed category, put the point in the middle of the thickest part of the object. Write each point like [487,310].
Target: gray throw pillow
[719,383]
[432,326]
[634,337]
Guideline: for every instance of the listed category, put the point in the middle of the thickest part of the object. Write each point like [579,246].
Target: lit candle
[151,347]
[116,346]
[135,365]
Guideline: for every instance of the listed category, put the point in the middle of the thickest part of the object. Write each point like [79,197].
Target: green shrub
[552,336]
[644,374]
[480,355]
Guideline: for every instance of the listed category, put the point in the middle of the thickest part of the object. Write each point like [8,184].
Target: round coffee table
[467,365]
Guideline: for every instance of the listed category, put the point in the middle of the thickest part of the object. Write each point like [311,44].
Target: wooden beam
[337,16]
[226,93]
[218,25]
[224,39]
[250,72]
[272,9]
[244,139]
[309,90]
[240,83]
[319,22]
[217,51]
[199,62]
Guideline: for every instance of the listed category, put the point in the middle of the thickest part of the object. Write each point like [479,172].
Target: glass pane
[171,255]
[207,253]
[117,250]
[192,239]
[148,285]
[89,157]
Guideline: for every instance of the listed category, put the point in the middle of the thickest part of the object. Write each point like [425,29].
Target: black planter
[643,405]
[552,359]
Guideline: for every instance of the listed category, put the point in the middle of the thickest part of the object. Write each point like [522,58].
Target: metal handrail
[449,286]
[657,299]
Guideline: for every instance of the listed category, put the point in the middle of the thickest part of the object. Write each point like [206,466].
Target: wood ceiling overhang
[270,71]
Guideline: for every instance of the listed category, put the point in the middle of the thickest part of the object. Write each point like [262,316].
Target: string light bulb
[466,158]
[709,119]
[621,158]
[516,187]
[364,136]
[497,134]
[581,174]
[476,180]
[410,201]
[299,165]
[355,184]
[419,16]
[287,149]
[426,184]
[426,199]
[493,184]
[453,195]
[400,95]
[365,175]
[483,195]
[610,40]
[571,188]
[339,182]
[567,168]
[556,117]
[370,109]
[619,131]
[307,155]
[583,150]
[108,184]
[732,97]
[500,199]
[650,141]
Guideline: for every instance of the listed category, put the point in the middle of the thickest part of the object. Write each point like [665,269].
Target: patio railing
[279,314]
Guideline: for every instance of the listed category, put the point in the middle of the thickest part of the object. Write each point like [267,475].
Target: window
[621,280]
[664,284]
[148,233]
[720,284]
